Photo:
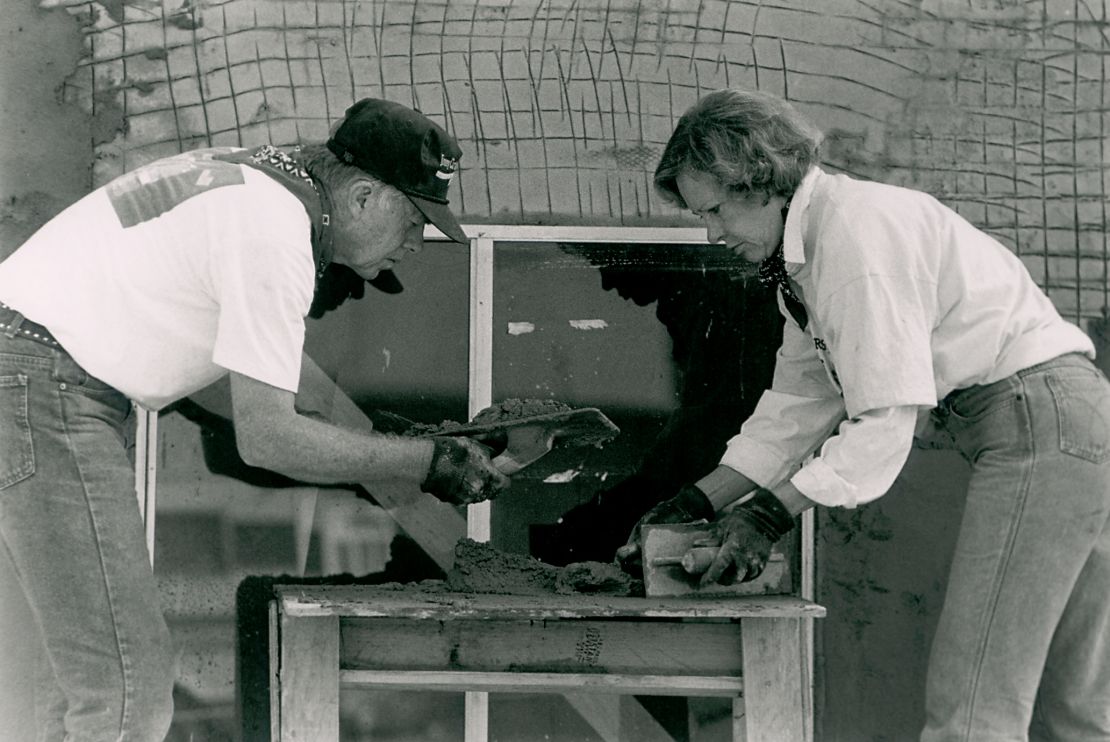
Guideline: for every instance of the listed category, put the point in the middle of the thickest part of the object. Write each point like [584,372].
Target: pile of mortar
[480,568]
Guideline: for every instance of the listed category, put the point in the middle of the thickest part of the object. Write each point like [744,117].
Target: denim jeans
[1022,650]
[70,522]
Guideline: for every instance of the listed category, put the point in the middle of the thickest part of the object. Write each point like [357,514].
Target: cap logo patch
[447,167]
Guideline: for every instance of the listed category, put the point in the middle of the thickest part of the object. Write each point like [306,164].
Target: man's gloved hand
[747,533]
[688,506]
[462,472]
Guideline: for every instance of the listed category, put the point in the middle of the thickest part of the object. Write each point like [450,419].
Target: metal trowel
[530,437]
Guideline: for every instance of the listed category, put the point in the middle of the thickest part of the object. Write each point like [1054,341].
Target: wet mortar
[480,568]
[506,410]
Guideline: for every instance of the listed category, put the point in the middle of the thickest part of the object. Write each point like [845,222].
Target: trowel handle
[697,560]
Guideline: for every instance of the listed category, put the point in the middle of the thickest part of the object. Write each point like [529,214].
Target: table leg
[309,680]
[739,720]
[775,703]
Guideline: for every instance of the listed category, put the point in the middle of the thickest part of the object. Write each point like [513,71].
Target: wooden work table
[746,648]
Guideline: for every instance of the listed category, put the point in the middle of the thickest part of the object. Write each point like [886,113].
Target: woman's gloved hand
[688,506]
[462,472]
[747,533]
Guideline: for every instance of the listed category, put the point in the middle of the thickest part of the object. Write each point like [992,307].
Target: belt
[14,324]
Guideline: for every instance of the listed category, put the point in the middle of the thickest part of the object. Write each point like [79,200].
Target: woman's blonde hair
[747,140]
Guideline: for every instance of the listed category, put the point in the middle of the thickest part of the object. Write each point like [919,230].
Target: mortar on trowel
[529,437]
[675,556]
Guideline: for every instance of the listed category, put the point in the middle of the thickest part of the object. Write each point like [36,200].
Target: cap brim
[441,216]
[387,282]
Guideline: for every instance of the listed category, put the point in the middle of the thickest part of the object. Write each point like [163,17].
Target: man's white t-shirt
[161,281]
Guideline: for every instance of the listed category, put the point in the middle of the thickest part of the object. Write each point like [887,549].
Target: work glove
[747,533]
[461,472]
[688,506]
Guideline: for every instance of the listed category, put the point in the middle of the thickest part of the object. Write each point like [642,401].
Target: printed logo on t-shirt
[150,191]
[822,350]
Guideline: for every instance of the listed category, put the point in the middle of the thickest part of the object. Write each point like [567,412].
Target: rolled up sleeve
[862,460]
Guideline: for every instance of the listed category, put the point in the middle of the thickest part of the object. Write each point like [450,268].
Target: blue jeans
[1022,650]
[70,522]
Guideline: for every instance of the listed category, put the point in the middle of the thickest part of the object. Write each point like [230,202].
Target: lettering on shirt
[154,189]
[823,348]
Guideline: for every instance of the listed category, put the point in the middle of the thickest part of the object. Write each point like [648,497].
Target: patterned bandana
[772,272]
[271,155]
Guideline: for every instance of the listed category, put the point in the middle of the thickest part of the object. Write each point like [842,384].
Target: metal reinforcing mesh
[998,107]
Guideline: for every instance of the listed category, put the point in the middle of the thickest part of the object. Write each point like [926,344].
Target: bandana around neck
[772,272]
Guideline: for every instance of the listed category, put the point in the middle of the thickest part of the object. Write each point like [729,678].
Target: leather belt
[14,324]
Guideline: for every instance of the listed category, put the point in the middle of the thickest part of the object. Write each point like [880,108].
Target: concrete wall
[996,106]
[46,160]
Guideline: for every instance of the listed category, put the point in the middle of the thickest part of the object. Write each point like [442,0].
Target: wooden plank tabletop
[376,601]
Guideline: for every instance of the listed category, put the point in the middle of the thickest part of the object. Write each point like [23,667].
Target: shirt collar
[793,249]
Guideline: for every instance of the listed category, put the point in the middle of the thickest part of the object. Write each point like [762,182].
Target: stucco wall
[996,106]
[46,160]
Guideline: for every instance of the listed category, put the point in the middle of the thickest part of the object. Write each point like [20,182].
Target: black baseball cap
[405,149]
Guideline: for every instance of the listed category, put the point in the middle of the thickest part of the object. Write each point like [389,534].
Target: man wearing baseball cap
[147,290]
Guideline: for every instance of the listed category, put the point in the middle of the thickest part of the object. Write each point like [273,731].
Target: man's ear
[359,194]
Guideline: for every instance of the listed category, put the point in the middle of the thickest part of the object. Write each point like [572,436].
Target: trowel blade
[526,444]
[529,438]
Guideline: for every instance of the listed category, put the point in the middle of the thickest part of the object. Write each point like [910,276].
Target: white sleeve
[265,289]
[792,418]
[862,460]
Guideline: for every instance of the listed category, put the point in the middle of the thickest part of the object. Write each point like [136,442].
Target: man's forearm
[271,434]
[316,451]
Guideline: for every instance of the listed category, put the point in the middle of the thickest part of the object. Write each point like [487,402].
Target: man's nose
[414,242]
